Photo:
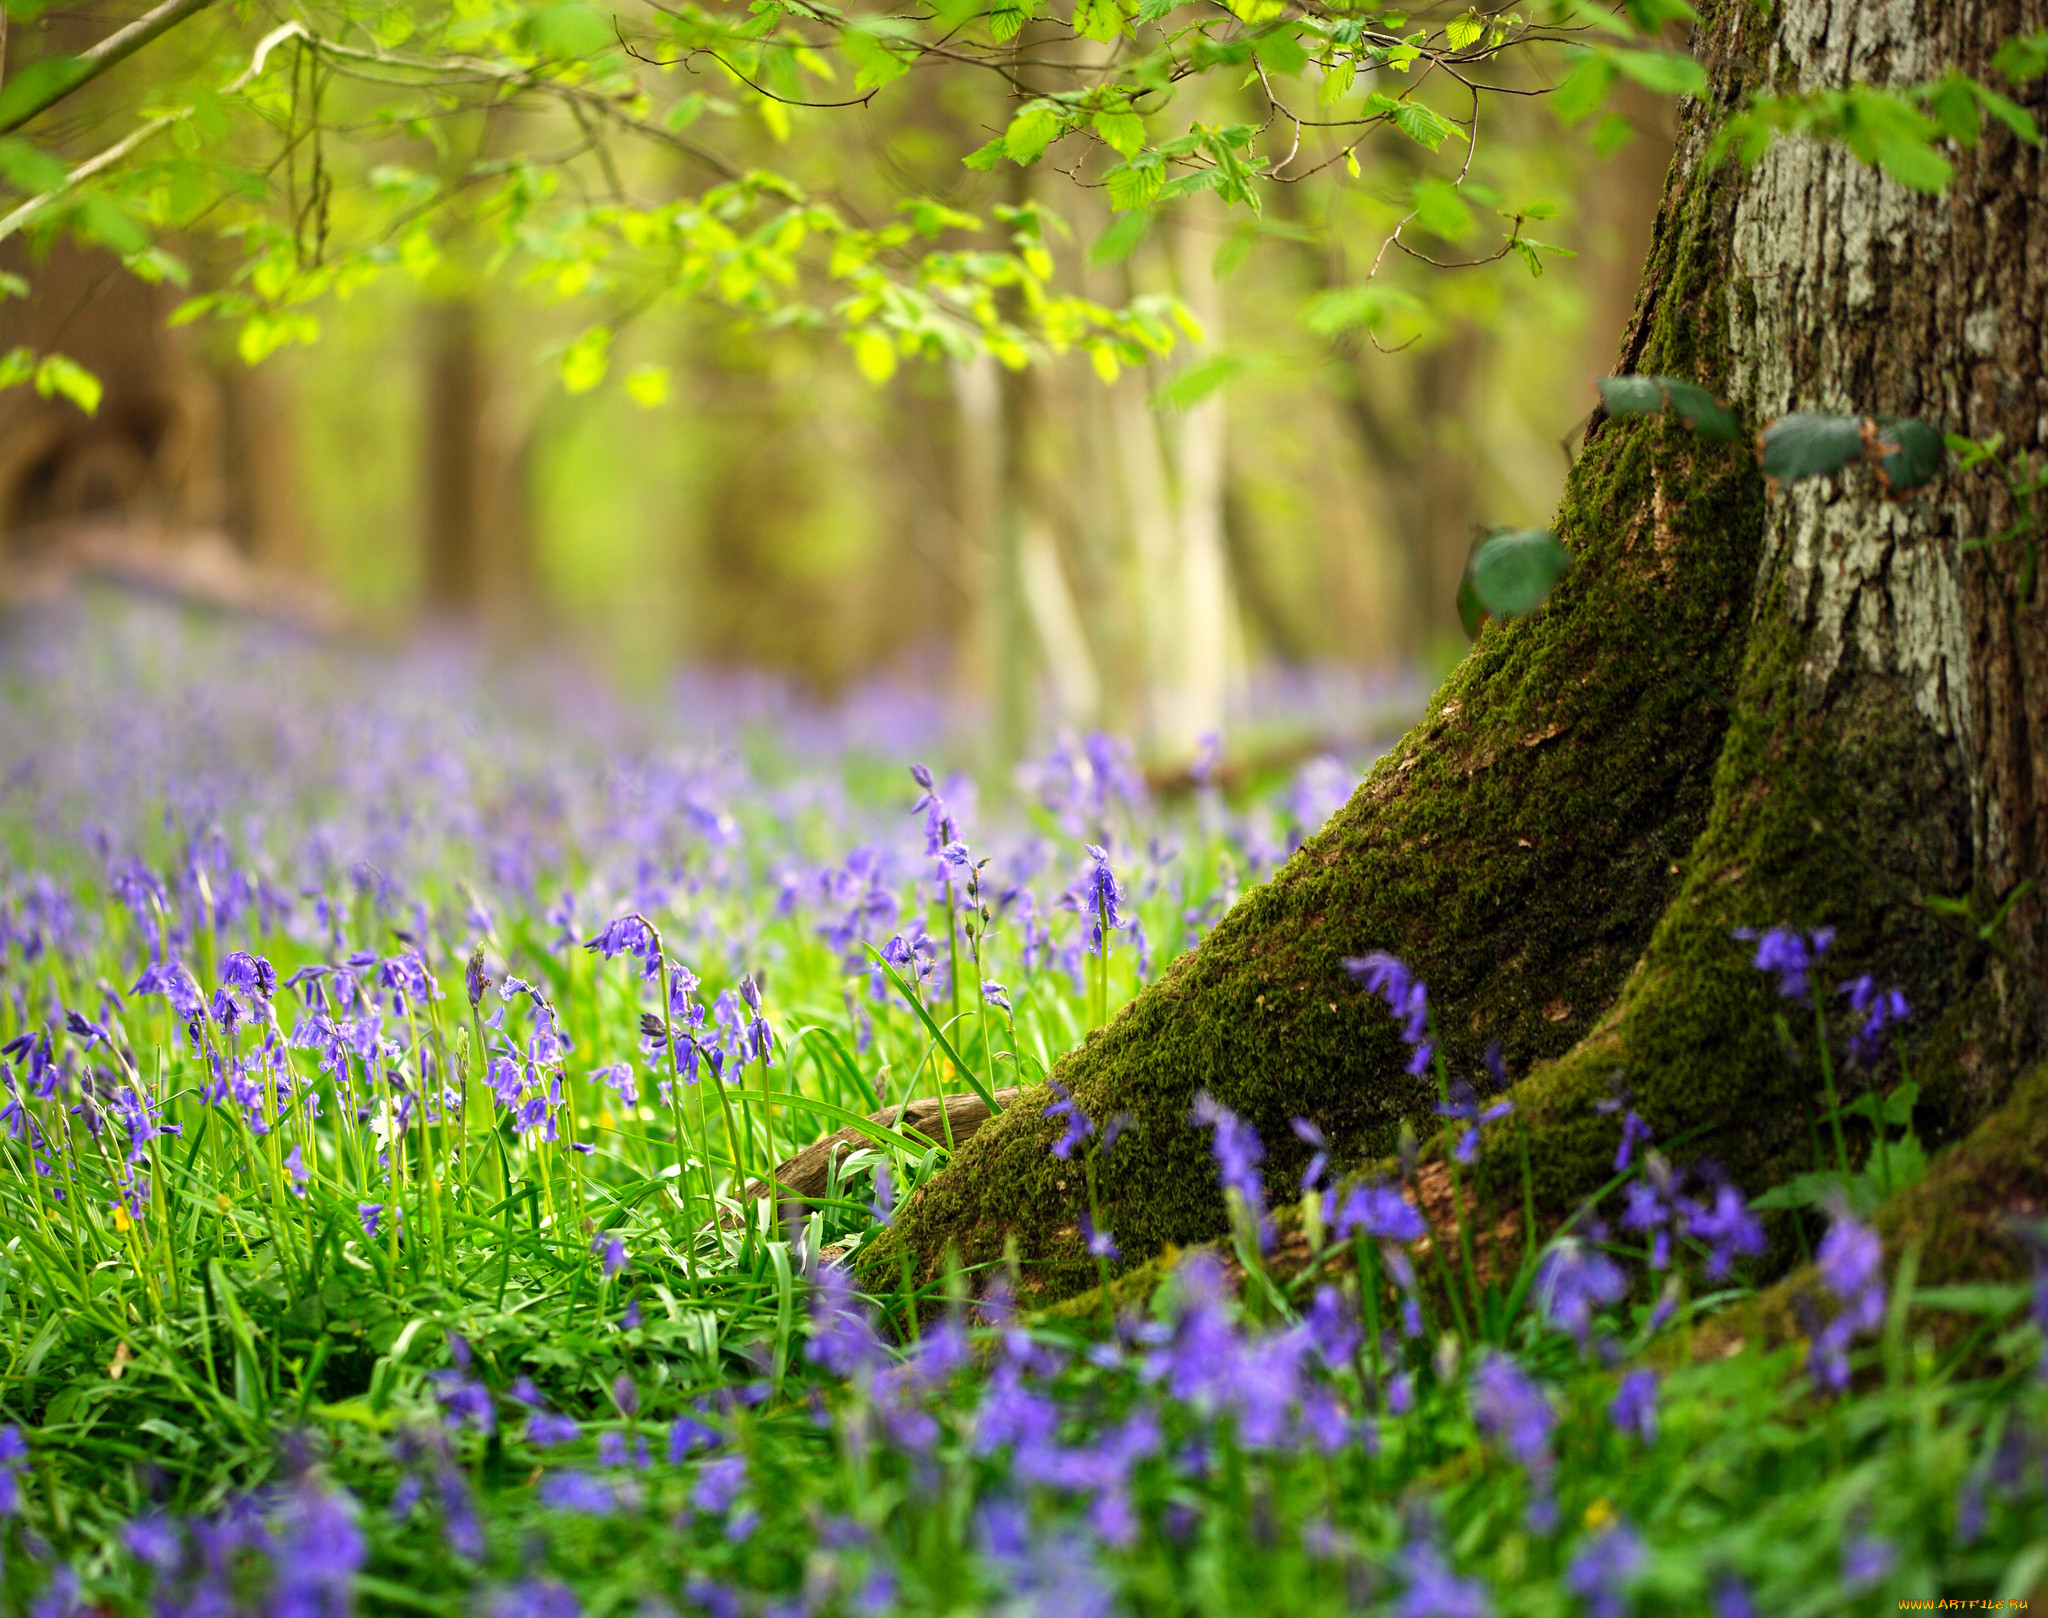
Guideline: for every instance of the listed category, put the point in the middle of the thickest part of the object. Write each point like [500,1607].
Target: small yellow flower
[1599,1515]
[122,1222]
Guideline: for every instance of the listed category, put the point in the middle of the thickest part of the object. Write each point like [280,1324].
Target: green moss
[1517,849]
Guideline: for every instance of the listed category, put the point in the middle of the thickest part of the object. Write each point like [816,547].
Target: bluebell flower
[1100,896]
[1079,1125]
[1100,1243]
[1307,1133]
[295,1168]
[883,1207]
[577,1492]
[155,1541]
[1850,1260]
[1573,1282]
[626,1395]
[60,1597]
[1878,1010]
[1433,1590]
[686,1435]
[534,1597]
[545,1429]
[1238,1152]
[719,1484]
[611,1251]
[1865,1560]
[475,981]
[1407,997]
[843,1337]
[319,1552]
[1463,1104]
[996,995]
[1512,1410]
[1377,1210]
[1728,1228]
[1732,1599]
[1634,1409]
[1602,1569]
[1789,954]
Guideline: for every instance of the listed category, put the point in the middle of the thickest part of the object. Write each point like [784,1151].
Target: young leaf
[1122,131]
[586,360]
[1192,384]
[1461,32]
[1512,572]
[1807,444]
[1702,412]
[61,375]
[1121,240]
[1441,211]
[1670,73]
[1908,454]
[1631,395]
[1006,18]
[1031,131]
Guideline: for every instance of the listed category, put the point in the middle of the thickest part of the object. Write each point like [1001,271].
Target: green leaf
[1441,211]
[1512,573]
[1631,395]
[1584,88]
[1909,455]
[1413,119]
[1136,184]
[17,365]
[1099,20]
[1337,80]
[1190,385]
[648,386]
[56,374]
[1031,131]
[874,354]
[1807,444]
[1124,132]
[28,169]
[586,360]
[1702,412]
[1470,613]
[1370,306]
[28,86]
[109,224]
[1121,240]
[1461,32]
[1912,161]
[2023,57]
[874,64]
[571,31]
[985,157]
[1670,73]
[1006,19]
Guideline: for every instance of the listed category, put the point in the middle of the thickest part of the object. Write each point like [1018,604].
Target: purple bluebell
[1100,1243]
[1433,1590]
[1463,1104]
[1307,1133]
[534,1597]
[1865,1560]
[1575,1281]
[1602,1569]
[154,1540]
[611,1252]
[626,1395]
[1101,895]
[719,1484]
[475,981]
[1238,1152]
[1376,1209]
[1512,1410]
[686,1435]
[577,1492]
[1850,1260]
[1732,1598]
[1634,1407]
[883,1207]
[1788,954]
[1877,1009]
[1079,1125]
[1407,997]
[545,1429]
[319,1552]
[843,1337]
[996,995]
[295,1168]
[1728,1228]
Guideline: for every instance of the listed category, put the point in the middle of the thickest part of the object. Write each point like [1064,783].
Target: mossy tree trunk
[1738,710]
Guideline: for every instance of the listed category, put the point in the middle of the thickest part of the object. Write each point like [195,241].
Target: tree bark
[1737,710]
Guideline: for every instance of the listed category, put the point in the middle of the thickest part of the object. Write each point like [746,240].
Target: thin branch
[90,64]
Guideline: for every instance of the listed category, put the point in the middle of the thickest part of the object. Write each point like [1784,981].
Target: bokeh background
[1188,554]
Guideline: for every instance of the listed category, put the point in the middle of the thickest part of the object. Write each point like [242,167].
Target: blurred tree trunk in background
[1815,708]
[454,475]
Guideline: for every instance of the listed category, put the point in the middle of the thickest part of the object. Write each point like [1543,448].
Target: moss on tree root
[1517,849]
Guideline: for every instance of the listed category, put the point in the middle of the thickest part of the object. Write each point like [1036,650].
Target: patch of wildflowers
[1876,1010]
[1602,1569]
[1850,1260]
[1238,1152]
[1789,955]
[1634,1407]
[1512,1410]
[1433,1590]
[1574,1282]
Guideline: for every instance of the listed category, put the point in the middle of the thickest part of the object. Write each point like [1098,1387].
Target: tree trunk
[1737,710]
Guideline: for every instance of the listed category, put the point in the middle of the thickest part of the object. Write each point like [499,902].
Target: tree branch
[39,92]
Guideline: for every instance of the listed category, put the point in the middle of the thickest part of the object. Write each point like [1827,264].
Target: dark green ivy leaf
[1807,444]
[1510,573]
[1691,403]
[1908,454]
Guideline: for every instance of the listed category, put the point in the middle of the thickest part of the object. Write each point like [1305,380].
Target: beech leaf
[1512,572]
[1807,444]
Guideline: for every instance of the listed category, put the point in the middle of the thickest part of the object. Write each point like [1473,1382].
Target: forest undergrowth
[387,1051]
